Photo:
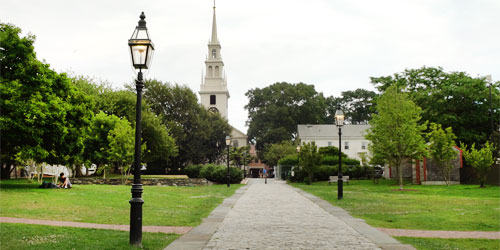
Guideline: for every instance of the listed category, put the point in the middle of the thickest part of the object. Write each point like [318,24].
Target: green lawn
[458,207]
[458,244]
[108,204]
[118,176]
[23,236]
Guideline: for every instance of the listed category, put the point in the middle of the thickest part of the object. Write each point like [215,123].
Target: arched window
[216,71]
[214,53]
[210,71]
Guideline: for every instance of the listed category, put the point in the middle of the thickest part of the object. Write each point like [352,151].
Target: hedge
[214,173]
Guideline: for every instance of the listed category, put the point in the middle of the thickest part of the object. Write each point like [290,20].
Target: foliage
[441,149]
[275,111]
[193,171]
[199,134]
[395,134]
[356,104]
[452,99]
[34,237]
[240,155]
[330,151]
[289,160]
[309,159]
[480,159]
[218,173]
[457,207]
[121,147]
[164,206]
[160,145]
[277,151]
[37,104]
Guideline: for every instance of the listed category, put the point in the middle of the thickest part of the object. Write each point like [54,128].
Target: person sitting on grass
[64,181]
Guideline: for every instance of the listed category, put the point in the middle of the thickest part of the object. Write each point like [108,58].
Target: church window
[212,99]
[216,71]
[235,143]
[210,71]
[214,54]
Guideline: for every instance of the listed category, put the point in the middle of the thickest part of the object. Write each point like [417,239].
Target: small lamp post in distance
[228,143]
[339,120]
[141,51]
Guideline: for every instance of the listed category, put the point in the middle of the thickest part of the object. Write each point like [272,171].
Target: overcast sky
[335,45]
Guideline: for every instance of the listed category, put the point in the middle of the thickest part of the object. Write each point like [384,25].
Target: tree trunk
[400,175]
[5,170]
[310,179]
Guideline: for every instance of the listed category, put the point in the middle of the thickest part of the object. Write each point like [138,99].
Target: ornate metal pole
[228,175]
[137,201]
[340,191]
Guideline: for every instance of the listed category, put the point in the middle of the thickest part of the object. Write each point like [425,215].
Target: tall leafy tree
[275,111]
[395,132]
[43,115]
[441,149]
[452,99]
[121,146]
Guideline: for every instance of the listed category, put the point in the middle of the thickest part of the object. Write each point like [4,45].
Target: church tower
[214,94]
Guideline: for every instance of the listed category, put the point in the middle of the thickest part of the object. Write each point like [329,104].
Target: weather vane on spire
[214,4]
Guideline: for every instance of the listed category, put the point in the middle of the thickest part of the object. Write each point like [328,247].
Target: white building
[214,93]
[354,143]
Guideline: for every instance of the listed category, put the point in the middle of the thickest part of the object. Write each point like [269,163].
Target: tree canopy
[395,132]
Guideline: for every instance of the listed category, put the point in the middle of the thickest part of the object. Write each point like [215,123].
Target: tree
[356,104]
[480,159]
[309,159]
[275,111]
[395,134]
[199,134]
[121,147]
[452,99]
[441,149]
[240,155]
[160,145]
[44,117]
[277,151]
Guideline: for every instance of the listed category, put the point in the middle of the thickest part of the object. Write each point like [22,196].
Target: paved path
[441,234]
[277,216]
[152,229]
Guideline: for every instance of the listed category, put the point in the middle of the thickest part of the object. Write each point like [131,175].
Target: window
[212,99]
[329,143]
[235,143]
[346,145]
[210,71]
[216,71]
[363,145]
[214,53]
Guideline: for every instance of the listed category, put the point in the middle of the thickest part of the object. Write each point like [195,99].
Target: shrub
[324,172]
[330,160]
[193,171]
[290,160]
[218,173]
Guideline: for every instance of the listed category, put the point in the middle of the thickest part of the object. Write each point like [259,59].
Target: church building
[214,93]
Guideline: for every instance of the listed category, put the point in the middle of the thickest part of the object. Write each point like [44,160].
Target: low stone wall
[145,182]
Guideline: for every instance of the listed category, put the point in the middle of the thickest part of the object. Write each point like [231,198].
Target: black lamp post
[141,50]
[228,143]
[339,119]
[298,156]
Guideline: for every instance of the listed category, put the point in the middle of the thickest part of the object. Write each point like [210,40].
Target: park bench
[335,178]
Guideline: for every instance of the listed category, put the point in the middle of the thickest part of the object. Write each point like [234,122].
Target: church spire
[214,39]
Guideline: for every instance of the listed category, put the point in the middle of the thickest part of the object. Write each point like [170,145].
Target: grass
[109,204]
[118,176]
[448,244]
[23,236]
[458,207]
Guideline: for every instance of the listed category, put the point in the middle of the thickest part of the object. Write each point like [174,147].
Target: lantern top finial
[142,22]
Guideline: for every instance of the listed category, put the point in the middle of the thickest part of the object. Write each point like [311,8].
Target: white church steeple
[214,94]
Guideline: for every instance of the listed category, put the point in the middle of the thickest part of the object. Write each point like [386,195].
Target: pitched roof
[324,131]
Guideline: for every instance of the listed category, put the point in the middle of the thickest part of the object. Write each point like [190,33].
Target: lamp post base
[340,186]
[136,215]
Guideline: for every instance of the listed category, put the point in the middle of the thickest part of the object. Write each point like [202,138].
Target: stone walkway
[152,229]
[277,216]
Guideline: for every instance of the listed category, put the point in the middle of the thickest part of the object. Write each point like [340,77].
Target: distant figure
[64,181]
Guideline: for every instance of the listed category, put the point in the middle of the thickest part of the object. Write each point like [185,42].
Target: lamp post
[141,50]
[298,158]
[228,143]
[339,119]
[245,164]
